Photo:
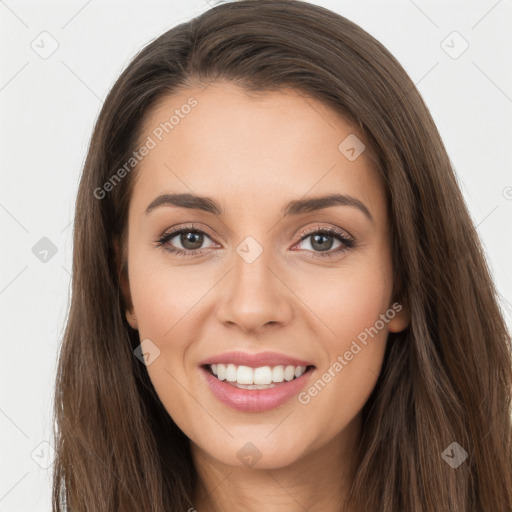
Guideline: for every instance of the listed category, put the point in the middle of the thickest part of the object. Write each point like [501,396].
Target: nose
[254,295]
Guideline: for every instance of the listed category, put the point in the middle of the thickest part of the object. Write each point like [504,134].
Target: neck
[318,480]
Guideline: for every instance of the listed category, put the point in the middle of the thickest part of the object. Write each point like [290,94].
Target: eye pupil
[193,237]
[320,246]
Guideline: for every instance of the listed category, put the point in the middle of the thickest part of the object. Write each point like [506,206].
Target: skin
[253,155]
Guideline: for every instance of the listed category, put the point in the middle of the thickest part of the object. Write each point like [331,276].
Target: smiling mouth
[264,377]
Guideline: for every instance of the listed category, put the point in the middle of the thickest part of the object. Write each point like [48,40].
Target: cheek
[165,298]
[165,301]
[358,304]
[356,308]
[347,300]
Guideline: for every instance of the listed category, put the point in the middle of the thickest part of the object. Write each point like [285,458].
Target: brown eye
[191,240]
[184,241]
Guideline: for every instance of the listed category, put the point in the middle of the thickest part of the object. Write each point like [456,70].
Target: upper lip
[254,360]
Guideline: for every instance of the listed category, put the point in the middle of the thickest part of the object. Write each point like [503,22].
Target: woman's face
[263,274]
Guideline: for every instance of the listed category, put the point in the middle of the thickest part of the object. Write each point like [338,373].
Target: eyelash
[347,241]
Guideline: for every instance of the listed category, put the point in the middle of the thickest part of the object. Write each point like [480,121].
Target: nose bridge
[254,296]
[251,265]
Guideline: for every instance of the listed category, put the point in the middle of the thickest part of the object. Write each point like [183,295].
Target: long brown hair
[446,378]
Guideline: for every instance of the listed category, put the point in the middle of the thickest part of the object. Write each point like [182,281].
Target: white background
[48,108]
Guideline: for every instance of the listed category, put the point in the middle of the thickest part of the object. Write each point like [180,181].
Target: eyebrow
[296,207]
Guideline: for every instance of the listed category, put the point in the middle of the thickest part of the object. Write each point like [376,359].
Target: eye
[189,237]
[322,240]
[191,240]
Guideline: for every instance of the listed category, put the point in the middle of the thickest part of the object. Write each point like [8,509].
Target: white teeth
[231,373]
[261,376]
[221,371]
[253,386]
[278,373]
[289,372]
[245,375]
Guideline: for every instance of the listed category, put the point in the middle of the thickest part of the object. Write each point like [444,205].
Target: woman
[279,301]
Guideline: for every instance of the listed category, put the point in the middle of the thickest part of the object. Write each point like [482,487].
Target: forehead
[252,149]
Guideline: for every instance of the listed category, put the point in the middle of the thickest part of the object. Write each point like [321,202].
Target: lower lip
[255,400]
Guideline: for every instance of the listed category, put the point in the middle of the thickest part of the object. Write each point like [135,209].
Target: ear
[124,284]
[401,318]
